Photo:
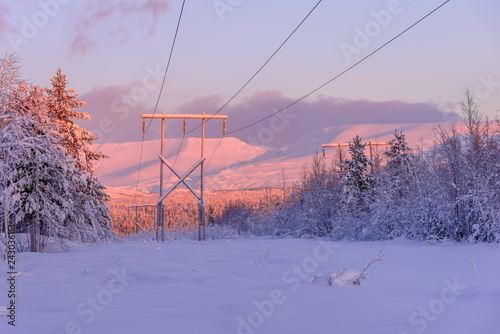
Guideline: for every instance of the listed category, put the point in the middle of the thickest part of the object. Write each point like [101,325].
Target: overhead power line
[168,63]
[253,77]
[263,65]
[158,100]
[341,73]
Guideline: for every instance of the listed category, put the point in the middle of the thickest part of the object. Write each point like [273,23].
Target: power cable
[334,78]
[216,148]
[211,156]
[168,64]
[158,99]
[341,73]
[262,67]
[176,156]
[253,77]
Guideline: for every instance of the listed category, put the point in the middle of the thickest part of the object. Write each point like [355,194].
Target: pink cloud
[119,119]
[311,115]
[122,20]
[307,116]
[4,25]
[115,117]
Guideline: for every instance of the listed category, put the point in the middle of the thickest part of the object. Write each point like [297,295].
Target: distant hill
[240,165]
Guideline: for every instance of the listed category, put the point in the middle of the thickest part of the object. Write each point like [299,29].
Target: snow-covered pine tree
[356,180]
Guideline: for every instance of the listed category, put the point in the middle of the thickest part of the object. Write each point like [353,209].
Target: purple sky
[114,53]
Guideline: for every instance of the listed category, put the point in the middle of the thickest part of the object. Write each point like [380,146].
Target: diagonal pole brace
[165,161]
[182,179]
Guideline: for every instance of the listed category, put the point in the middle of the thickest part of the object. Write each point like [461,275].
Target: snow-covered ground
[257,286]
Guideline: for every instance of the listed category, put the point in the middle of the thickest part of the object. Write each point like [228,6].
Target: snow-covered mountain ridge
[240,165]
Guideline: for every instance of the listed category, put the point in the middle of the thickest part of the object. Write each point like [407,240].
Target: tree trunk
[34,233]
[6,216]
[6,226]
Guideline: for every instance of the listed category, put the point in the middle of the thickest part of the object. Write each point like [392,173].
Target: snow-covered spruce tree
[76,140]
[42,190]
[358,192]
[398,156]
[39,177]
[78,143]
[32,103]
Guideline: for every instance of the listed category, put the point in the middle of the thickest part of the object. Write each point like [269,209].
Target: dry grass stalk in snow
[262,261]
[111,272]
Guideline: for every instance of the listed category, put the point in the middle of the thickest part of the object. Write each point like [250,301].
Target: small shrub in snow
[351,277]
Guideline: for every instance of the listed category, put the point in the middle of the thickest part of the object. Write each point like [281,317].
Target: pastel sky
[115,51]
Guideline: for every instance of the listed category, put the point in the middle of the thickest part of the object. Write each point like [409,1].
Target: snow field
[257,286]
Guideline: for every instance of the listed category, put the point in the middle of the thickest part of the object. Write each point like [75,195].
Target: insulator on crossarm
[143,125]
[224,130]
[184,127]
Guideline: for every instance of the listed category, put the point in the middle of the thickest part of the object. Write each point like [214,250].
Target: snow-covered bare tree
[312,204]
[9,80]
[481,162]
[317,200]
[467,171]
[393,187]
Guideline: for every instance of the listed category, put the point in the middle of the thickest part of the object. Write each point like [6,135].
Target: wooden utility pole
[182,178]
